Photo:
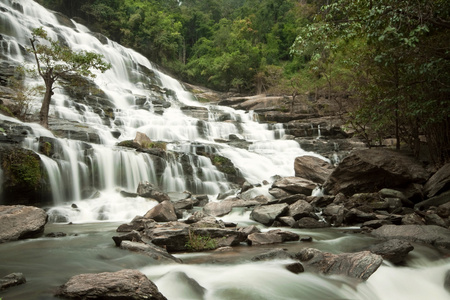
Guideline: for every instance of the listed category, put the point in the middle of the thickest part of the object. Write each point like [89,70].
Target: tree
[54,61]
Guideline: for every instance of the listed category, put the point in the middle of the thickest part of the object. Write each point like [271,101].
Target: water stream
[131,93]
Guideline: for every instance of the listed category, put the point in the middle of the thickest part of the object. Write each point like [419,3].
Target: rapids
[48,263]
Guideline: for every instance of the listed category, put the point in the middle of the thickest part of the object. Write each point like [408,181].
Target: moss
[198,242]
[23,169]
[129,144]
[46,148]
[158,145]
[223,164]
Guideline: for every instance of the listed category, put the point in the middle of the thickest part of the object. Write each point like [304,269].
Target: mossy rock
[22,174]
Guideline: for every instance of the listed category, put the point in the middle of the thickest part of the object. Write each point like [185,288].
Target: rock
[295,268]
[412,219]
[124,284]
[295,185]
[286,236]
[163,212]
[218,209]
[288,221]
[427,234]
[308,222]
[312,168]
[182,284]
[246,231]
[439,182]
[434,201]
[172,237]
[263,238]
[434,219]
[354,216]
[21,222]
[394,250]
[334,214]
[277,253]
[301,209]
[155,252]
[360,265]
[12,279]
[56,234]
[447,281]
[142,140]
[148,190]
[138,223]
[268,213]
[370,170]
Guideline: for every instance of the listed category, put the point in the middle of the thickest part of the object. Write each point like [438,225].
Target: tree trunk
[43,114]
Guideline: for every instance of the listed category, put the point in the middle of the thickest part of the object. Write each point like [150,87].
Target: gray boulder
[360,265]
[124,284]
[155,252]
[12,280]
[394,250]
[439,182]
[426,234]
[295,185]
[21,222]
[267,214]
[148,190]
[301,209]
[163,212]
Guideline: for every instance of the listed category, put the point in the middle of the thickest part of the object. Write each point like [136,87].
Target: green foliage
[23,169]
[200,243]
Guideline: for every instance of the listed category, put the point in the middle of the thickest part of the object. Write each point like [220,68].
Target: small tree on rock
[54,61]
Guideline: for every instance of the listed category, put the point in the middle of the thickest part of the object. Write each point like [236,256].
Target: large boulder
[267,214]
[370,170]
[163,212]
[394,250]
[295,185]
[124,284]
[312,168]
[439,182]
[148,190]
[427,234]
[21,222]
[360,265]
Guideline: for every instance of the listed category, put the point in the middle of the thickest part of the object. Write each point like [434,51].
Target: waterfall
[134,96]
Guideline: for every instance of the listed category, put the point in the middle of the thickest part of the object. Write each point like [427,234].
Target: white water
[114,169]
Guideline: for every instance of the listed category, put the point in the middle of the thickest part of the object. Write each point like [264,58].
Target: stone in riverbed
[295,185]
[148,190]
[360,265]
[394,250]
[21,222]
[267,214]
[163,212]
[12,280]
[312,168]
[124,284]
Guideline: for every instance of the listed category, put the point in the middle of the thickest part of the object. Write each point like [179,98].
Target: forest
[386,63]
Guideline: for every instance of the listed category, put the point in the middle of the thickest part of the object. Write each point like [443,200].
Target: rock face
[21,222]
[370,170]
[427,234]
[124,284]
[439,182]
[312,168]
[358,265]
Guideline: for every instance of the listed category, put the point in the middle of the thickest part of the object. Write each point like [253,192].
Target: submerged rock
[124,284]
[12,280]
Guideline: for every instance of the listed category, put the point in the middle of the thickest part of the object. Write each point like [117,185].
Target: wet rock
[267,214]
[439,182]
[138,223]
[142,140]
[447,281]
[434,201]
[427,234]
[295,268]
[218,209]
[277,253]
[394,250]
[246,231]
[288,221]
[370,170]
[171,236]
[148,190]
[295,185]
[312,168]
[11,280]
[148,249]
[163,212]
[354,216]
[21,222]
[360,265]
[434,219]
[264,238]
[308,222]
[334,214]
[124,284]
[56,234]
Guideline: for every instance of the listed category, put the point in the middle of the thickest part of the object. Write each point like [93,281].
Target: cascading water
[139,98]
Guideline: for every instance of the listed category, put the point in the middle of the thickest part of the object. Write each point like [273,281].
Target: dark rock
[394,250]
[312,168]
[434,201]
[133,236]
[412,219]
[56,234]
[334,214]
[427,234]
[163,212]
[439,182]
[434,219]
[370,170]
[288,221]
[308,222]
[291,198]
[21,222]
[286,236]
[12,279]
[360,265]
[277,253]
[268,213]
[124,284]
[172,237]
[295,268]
[138,223]
[246,231]
[320,201]
[278,193]
[447,281]
[148,190]
[354,216]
